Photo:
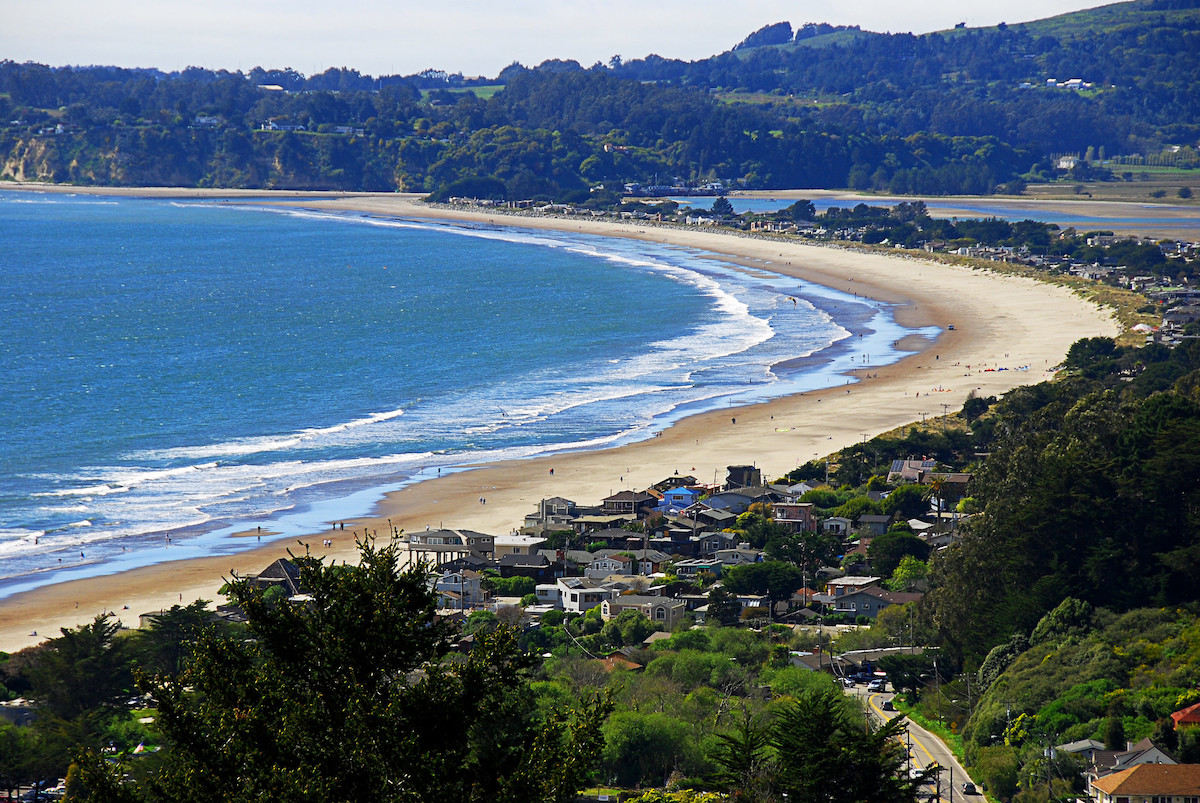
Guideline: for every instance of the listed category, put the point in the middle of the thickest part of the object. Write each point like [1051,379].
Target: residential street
[925,750]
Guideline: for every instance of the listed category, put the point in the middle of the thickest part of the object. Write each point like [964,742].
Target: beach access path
[1000,321]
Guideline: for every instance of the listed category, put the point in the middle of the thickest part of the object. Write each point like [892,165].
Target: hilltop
[1103,94]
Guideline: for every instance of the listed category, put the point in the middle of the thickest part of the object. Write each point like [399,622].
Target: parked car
[968,788]
[879,684]
[887,706]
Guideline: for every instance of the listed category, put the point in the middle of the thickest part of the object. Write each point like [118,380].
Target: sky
[401,37]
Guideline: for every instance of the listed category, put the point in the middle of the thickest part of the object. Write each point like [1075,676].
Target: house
[656,636]
[517,545]
[581,594]
[1107,762]
[718,519]
[675,481]
[709,544]
[798,517]
[836,525]
[554,513]
[1085,748]
[615,538]
[664,610]
[548,594]
[630,503]
[739,556]
[953,485]
[283,574]
[845,585]
[691,567]
[1148,783]
[874,523]
[868,602]
[590,523]
[614,662]
[439,546]
[605,565]
[537,567]
[648,561]
[459,590]
[1186,717]
[903,471]
[466,562]
[678,499]
[735,502]
[742,476]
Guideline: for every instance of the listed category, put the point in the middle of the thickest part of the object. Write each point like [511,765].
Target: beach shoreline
[1000,322]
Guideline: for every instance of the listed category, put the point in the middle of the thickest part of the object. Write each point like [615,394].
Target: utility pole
[945,412]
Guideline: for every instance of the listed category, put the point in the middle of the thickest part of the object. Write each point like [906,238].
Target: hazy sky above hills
[384,37]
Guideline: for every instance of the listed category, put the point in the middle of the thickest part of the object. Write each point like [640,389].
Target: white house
[580,594]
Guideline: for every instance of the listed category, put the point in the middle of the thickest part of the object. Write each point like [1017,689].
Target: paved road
[925,750]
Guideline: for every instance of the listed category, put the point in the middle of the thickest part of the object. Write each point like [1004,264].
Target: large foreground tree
[350,695]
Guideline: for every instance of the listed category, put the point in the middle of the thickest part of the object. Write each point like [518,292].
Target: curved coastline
[1001,321]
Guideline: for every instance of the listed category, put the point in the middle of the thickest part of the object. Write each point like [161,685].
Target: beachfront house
[742,477]
[552,514]
[439,546]
[630,503]
[675,481]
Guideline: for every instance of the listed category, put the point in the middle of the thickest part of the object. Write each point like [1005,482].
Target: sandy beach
[999,322]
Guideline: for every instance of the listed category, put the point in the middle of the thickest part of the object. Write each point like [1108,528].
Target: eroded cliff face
[148,158]
[58,159]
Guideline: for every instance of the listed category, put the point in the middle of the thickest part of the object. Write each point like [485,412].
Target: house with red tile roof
[1187,717]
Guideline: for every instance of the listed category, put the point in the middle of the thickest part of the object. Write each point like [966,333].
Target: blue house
[677,499]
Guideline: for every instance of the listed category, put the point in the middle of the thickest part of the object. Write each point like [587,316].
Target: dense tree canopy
[350,697]
[1092,490]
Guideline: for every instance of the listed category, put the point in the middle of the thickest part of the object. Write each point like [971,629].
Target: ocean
[172,373]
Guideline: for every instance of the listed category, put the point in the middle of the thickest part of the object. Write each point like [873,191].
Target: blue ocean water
[189,370]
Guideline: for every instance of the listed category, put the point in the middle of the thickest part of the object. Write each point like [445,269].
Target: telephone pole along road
[926,749]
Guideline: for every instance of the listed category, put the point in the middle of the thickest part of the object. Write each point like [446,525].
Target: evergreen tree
[350,696]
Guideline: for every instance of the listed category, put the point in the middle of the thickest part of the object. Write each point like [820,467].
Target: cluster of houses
[625,548]
[628,544]
[1139,773]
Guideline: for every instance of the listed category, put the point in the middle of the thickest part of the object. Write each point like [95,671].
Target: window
[660,613]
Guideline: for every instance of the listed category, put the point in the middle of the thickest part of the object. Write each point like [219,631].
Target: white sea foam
[589,403]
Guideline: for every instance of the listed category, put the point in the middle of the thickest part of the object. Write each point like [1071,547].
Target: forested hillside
[963,111]
[1091,490]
